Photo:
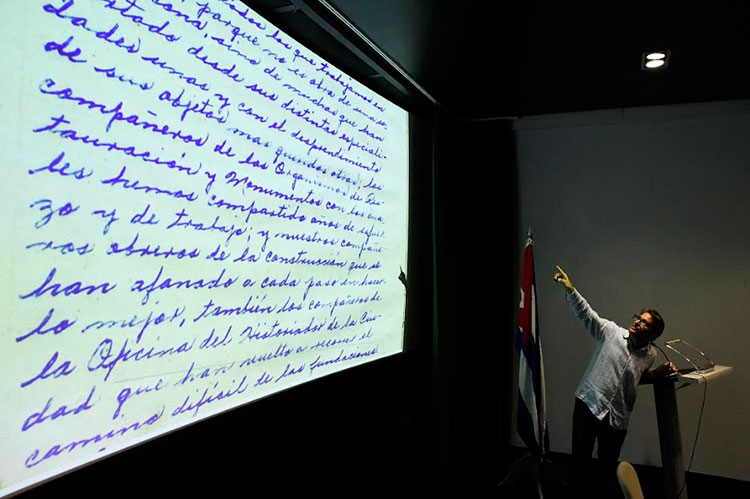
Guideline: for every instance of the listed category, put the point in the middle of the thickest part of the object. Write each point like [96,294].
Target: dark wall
[647,207]
[476,253]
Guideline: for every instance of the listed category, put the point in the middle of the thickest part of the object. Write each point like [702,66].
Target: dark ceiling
[487,59]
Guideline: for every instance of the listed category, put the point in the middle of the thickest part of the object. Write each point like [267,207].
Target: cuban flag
[532,401]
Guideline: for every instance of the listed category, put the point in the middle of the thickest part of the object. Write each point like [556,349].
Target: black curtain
[476,256]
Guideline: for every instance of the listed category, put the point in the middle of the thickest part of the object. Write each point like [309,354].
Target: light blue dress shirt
[609,384]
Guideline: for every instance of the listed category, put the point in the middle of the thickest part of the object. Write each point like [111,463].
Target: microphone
[662,351]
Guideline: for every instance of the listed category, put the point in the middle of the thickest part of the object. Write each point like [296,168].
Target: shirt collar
[644,349]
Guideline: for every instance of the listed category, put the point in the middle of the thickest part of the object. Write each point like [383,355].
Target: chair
[629,483]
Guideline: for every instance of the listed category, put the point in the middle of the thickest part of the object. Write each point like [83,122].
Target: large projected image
[197,212]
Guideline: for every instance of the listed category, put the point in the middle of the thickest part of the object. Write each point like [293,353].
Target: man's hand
[658,373]
[562,278]
[664,370]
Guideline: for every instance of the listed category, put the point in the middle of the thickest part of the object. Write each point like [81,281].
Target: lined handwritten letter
[197,212]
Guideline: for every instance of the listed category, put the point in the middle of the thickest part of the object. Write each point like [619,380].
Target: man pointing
[606,394]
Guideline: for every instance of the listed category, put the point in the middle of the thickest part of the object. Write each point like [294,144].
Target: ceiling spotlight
[653,60]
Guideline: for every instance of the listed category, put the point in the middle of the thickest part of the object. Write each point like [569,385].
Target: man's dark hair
[658,323]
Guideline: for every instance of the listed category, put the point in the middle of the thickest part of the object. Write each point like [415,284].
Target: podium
[670,440]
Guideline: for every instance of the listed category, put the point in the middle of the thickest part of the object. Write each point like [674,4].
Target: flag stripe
[526,392]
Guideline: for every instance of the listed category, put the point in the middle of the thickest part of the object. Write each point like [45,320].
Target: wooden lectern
[670,440]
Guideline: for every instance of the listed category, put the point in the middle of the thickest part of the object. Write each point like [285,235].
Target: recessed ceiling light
[655,59]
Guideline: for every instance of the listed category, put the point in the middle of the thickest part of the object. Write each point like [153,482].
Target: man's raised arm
[582,310]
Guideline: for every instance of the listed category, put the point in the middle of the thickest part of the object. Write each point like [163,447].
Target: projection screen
[198,212]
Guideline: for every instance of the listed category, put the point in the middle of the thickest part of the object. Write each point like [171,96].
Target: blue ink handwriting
[168,7]
[211,309]
[160,283]
[307,238]
[51,370]
[277,330]
[127,393]
[236,32]
[55,167]
[152,319]
[111,215]
[202,108]
[214,340]
[194,373]
[245,109]
[276,36]
[145,156]
[45,206]
[63,248]
[290,371]
[311,282]
[300,259]
[156,251]
[306,115]
[163,64]
[341,357]
[112,73]
[82,22]
[208,398]
[135,185]
[47,88]
[215,65]
[138,19]
[281,351]
[183,220]
[140,218]
[60,49]
[74,288]
[254,139]
[41,329]
[62,411]
[231,48]
[299,55]
[341,302]
[105,358]
[252,209]
[34,458]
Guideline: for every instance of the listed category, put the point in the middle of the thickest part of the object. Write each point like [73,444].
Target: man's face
[641,327]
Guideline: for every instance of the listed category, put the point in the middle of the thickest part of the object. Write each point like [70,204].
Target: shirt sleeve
[594,324]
